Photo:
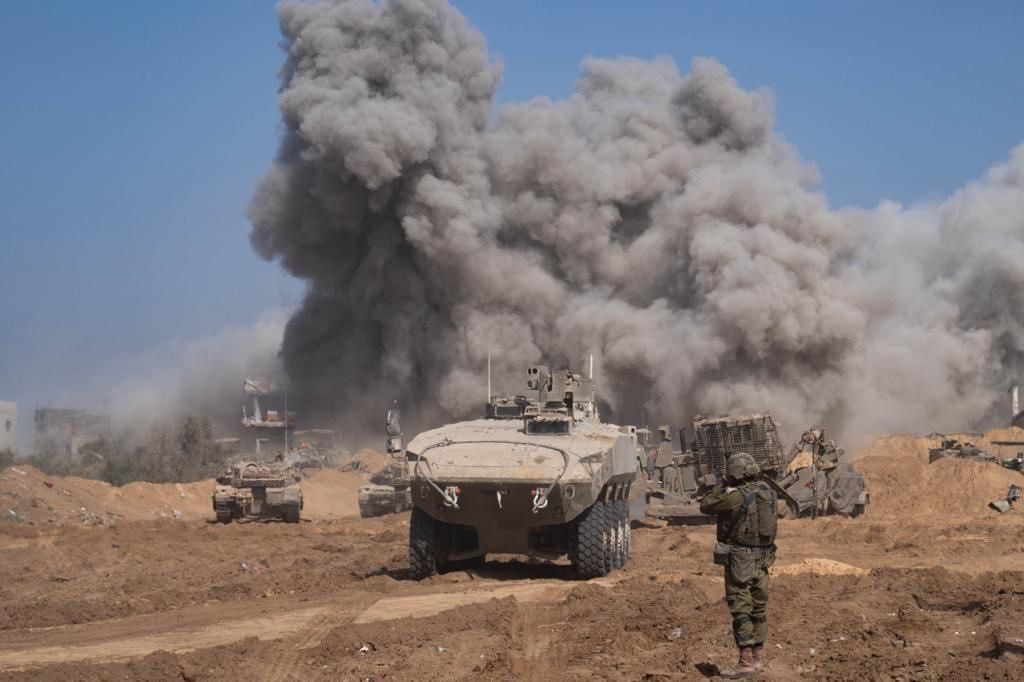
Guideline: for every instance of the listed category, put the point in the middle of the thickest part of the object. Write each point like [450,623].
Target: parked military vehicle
[810,479]
[264,490]
[314,449]
[951,447]
[541,476]
[388,490]
[1016,462]
[817,481]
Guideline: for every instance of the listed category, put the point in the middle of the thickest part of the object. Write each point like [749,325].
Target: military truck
[810,479]
[539,476]
[388,489]
[264,490]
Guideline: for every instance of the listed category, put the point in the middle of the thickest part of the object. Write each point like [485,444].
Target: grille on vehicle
[719,438]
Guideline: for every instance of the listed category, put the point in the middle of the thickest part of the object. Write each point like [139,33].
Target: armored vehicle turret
[258,490]
[541,476]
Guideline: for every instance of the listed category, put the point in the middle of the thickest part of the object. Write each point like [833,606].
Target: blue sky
[133,133]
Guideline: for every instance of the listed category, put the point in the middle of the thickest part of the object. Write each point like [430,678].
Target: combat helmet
[741,465]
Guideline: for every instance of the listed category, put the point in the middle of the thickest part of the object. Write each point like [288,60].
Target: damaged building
[63,432]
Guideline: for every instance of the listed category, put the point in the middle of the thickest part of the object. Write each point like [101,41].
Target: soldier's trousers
[748,604]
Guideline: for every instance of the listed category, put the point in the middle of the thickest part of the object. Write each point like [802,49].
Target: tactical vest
[755,523]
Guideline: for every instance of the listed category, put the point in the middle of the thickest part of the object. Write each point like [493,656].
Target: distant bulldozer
[816,481]
[265,490]
[810,480]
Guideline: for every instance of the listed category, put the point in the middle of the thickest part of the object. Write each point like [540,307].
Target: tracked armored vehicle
[540,476]
[956,449]
[388,489]
[264,490]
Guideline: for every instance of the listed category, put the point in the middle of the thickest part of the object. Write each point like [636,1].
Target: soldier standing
[747,518]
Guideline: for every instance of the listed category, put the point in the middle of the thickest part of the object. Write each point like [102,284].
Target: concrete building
[8,426]
[62,432]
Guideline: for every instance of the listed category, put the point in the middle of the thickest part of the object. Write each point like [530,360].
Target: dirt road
[921,591]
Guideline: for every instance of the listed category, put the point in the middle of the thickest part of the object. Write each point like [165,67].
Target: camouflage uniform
[746,574]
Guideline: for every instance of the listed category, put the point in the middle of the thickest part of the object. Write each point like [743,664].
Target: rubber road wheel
[224,515]
[592,542]
[291,515]
[611,532]
[622,507]
[422,545]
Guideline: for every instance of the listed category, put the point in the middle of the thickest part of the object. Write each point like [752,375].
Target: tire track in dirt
[124,639]
[288,666]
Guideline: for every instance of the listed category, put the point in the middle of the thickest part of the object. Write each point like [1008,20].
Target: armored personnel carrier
[258,490]
[540,476]
[388,489]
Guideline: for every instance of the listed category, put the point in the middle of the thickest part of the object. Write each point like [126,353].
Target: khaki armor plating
[542,477]
[258,490]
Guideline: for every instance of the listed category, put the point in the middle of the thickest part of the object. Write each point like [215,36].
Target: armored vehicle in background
[818,481]
[951,447]
[541,476]
[266,490]
[810,479]
[313,449]
[388,489]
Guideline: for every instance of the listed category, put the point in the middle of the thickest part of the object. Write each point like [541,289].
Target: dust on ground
[927,585]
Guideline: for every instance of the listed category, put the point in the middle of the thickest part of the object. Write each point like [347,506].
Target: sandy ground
[928,585]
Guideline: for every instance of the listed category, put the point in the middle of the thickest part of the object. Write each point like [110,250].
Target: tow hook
[451,496]
[540,499]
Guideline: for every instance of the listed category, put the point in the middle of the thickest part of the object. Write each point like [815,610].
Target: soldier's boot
[743,668]
[757,651]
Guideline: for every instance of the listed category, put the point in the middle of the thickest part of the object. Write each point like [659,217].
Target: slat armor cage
[718,437]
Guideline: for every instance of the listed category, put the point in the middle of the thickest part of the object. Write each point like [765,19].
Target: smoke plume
[653,219]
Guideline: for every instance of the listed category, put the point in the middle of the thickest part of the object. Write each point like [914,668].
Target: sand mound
[902,482]
[371,460]
[332,494]
[818,567]
[29,495]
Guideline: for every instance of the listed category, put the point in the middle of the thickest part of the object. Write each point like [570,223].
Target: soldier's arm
[721,500]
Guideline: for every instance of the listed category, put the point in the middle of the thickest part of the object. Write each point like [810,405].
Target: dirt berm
[29,496]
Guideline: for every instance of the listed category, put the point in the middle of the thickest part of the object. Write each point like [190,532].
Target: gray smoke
[653,219]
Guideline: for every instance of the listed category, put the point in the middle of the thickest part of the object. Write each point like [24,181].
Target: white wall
[8,426]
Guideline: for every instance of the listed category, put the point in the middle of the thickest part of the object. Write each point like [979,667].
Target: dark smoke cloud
[652,218]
